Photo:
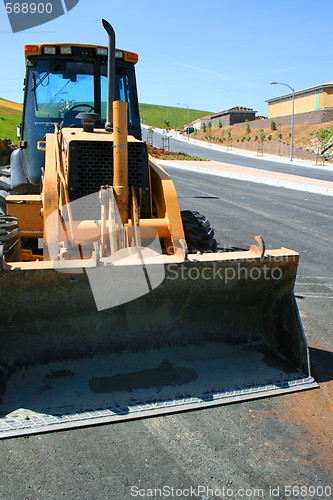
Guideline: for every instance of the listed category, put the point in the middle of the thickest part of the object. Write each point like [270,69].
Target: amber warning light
[131,56]
[31,48]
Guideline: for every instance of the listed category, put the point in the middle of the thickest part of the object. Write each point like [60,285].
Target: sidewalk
[241,152]
[260,176]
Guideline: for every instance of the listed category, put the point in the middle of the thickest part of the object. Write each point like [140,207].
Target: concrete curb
[274,179]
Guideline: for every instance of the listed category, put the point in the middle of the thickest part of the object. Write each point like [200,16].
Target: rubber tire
[10,238]
[198,233]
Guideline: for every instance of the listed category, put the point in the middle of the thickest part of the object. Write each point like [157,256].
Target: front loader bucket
[219,328]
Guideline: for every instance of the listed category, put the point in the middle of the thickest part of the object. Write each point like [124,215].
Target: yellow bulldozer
[115,304]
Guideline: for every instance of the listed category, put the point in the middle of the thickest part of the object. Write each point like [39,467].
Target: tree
[273,125]
[323,136]
[209,135]
[167,124]
[248,129]
[262,138]
[230,137]
[150,136]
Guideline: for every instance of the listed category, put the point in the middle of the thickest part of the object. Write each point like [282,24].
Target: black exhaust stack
[111,74]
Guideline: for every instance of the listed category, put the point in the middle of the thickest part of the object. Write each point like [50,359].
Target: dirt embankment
[12,106]
[268,141]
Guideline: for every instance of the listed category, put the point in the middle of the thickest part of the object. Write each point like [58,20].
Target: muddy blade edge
[213,332]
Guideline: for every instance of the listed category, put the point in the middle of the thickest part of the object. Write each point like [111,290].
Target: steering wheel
[70,118]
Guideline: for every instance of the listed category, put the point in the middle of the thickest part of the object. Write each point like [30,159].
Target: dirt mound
[266,140]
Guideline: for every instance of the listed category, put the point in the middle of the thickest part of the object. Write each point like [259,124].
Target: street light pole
[188,115]
[292,117]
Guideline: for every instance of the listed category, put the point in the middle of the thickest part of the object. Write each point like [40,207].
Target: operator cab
[63,80]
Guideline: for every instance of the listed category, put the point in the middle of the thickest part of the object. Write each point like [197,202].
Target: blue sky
[210,55]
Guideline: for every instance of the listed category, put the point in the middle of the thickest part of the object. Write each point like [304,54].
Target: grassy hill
[10,117]
[155,115]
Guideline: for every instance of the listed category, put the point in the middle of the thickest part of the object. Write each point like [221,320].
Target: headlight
[49,50]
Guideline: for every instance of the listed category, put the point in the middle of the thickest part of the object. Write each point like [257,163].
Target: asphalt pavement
[268,448]
[303,168]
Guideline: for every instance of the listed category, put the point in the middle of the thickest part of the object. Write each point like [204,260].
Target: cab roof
[70,49]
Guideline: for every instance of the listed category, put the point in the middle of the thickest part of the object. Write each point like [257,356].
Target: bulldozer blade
[219,328]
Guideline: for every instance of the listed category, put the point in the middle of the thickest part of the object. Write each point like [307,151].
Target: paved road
[262,444]
[222,156]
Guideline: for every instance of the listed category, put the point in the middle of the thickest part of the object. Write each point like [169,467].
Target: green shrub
[324,135]
[273,125]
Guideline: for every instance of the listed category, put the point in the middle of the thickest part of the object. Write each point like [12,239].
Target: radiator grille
[91,166]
